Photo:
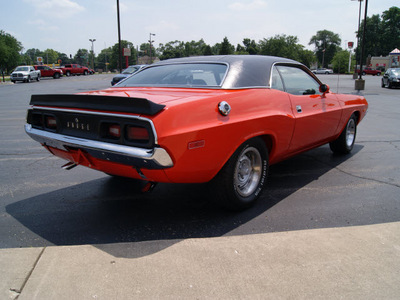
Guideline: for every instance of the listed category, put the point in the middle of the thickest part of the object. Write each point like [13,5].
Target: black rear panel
[90,126]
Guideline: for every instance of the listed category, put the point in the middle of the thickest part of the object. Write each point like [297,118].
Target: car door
[46,71]
[317,114]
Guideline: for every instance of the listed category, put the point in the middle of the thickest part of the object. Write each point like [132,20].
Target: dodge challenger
[217,119]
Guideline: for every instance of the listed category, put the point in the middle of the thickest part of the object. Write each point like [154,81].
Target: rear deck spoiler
[98,102]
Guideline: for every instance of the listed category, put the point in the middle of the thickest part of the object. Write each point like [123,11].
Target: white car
[322,71]
[25,74]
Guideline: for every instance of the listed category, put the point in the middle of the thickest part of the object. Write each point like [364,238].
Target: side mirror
[324,88]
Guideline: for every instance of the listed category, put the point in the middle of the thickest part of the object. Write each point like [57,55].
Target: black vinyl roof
[244,70]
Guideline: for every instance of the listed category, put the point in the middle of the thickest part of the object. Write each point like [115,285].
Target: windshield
[22,69]
[179,75]
[130,70]
[396,71]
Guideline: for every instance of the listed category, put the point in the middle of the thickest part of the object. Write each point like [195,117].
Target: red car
[46,71]
[223,119]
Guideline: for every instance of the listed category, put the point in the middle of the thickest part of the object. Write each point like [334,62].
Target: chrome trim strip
[157,155]
[102,114]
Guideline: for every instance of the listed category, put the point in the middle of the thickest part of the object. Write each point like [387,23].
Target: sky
[67,25]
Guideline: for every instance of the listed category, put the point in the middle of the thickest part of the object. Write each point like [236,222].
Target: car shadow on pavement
[113,210]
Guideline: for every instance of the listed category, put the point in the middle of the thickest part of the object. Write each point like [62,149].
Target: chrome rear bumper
[156,158]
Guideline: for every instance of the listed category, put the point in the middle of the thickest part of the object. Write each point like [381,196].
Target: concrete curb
[360,262]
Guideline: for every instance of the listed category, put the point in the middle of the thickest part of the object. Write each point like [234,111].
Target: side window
[276,80]
[298,82]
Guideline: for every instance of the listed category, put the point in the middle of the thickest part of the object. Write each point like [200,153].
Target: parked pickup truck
[370,71]
[74,69]
[46,71]
[25,74]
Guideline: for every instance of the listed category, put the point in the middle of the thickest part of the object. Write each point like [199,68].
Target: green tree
[240,50]
[326,45]
[226,47]
[64,58]
[207,50]
[33,54]
[173,49]
[50,56]
[281,45]
[145,50]
[390,29]
[104,58]
[373,38]
[10,49]
[307,57]
[251,46]
[114,60]
[340,62]
[81,57]
[194,48]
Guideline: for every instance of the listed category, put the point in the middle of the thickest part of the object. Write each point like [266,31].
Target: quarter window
[276,80]
[298,82]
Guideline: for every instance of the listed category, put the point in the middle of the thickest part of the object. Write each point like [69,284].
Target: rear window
[179,75]
[130,70]
[22,69]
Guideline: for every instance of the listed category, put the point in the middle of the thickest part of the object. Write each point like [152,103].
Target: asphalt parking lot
[44,209]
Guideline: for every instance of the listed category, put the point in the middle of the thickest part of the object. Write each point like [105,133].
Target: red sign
[350,45]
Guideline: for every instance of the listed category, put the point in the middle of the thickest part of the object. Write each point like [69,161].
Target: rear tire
[241,181]
[345,142]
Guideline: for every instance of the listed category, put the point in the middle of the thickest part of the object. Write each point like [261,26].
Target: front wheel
[38,78]
[345,142]
[240,182]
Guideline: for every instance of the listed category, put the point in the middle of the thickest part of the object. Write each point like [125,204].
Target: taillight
[50,122]
[137,134]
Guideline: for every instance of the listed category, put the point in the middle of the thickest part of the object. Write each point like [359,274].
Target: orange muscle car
[223,119]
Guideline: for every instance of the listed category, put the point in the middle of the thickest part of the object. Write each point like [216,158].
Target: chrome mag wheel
[248,172]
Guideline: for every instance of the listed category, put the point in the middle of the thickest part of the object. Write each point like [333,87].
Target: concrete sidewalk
[351,263]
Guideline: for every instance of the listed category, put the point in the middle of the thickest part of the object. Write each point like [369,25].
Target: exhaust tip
[69,166]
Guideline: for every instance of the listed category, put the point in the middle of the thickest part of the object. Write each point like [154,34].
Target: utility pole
[119,41]
[92,40]
[150,41]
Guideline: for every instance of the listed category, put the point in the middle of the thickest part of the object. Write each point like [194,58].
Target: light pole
[360,83]
[358,34]
[92,40]
[119,41]
[150,41]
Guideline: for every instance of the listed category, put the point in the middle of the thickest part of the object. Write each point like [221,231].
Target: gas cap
[224,108]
